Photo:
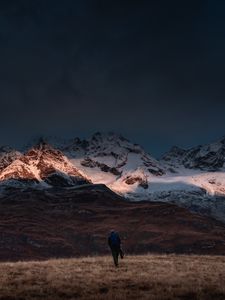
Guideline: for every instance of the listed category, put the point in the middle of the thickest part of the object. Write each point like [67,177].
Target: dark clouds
[152,70]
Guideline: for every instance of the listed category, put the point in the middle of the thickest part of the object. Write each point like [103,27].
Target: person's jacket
[114,240]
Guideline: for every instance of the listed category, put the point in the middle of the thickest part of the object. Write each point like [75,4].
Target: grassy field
[138,277]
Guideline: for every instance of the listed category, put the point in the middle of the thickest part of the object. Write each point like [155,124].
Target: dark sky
[153,71]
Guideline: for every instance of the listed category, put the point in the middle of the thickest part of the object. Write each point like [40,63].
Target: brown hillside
[75,222]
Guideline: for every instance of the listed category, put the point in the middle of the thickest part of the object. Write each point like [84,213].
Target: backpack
[114,239]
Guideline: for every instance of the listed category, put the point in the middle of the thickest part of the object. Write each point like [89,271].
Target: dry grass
[138,277]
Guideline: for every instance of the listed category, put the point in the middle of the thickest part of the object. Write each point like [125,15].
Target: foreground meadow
[138,277]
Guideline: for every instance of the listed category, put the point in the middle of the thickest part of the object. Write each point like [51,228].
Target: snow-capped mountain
[210,157]
[113,160]
[45,166]
[127,169]
[194,178]
[182,176]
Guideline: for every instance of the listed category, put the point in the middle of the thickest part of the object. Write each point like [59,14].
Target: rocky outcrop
[89,163]
[136,179]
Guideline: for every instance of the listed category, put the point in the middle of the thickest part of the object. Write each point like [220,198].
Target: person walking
[114,243]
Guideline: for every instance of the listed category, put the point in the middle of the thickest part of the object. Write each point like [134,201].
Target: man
[115,246]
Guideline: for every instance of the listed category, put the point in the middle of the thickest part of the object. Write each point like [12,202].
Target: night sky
[153,71]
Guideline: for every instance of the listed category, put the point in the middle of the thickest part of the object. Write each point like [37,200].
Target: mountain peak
[42,143]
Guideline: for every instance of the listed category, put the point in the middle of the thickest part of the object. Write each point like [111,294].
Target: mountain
[43,165]
[59,198]
[58,222]
[105,158]
[210,157]
[113,160]
[192,178]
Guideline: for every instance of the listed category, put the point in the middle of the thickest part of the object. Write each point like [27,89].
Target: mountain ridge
[193,178]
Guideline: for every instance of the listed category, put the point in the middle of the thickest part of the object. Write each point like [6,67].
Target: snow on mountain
[182,176]
[207,157]
[210,157]
[46,165]
[18,170]
[110,159]
[194,178]
[173,159]
[107,158]
[127,169]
